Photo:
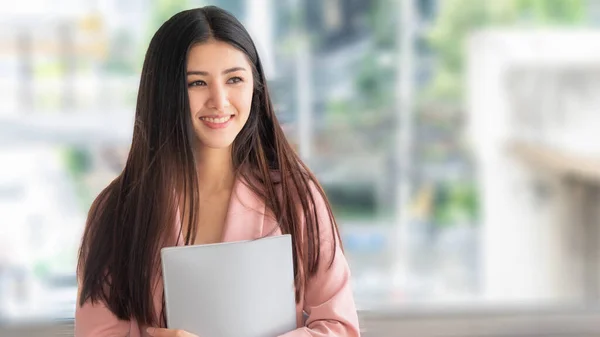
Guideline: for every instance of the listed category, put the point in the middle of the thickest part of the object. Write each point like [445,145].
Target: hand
[158,332]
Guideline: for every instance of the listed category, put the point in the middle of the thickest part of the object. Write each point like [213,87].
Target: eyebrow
[205,73]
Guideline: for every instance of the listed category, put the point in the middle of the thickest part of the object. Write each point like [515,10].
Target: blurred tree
[382,22]
[457,202]
[458,18]
[162,10]
[558,12]
[374,83]
[367,113]
[78,162]
[120,58]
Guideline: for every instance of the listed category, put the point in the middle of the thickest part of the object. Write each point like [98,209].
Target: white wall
[530,234]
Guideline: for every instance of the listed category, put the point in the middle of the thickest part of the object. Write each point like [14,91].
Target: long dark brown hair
[127,225]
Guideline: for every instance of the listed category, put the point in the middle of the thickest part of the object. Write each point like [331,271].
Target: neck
[215,170]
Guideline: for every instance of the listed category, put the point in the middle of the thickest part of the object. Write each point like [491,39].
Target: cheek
[197,101]
[244,103]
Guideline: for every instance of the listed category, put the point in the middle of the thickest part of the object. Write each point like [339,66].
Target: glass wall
[403,109]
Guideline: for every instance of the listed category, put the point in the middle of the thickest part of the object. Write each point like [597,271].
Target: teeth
[216,120]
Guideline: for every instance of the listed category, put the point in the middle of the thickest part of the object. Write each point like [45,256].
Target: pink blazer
[327,301]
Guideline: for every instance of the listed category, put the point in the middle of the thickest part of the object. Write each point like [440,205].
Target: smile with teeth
[219,120]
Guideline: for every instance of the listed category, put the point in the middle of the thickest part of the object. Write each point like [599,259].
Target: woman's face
[220,86]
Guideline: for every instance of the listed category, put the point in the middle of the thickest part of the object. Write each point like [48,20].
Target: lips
[217,122]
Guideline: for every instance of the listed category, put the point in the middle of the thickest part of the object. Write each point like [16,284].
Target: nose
[218,98]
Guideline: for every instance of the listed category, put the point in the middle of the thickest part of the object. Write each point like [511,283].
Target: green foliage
[459,18]
[162,10]
[383,23]
[120,61]
[374,82]
[78,162]
[553,12]
[455,203]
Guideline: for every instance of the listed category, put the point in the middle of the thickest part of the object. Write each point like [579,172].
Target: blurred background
[456,139]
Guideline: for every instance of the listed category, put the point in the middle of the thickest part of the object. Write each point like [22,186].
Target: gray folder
[232,289]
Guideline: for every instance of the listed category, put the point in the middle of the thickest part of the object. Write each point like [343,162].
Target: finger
[159,332]
[154,332]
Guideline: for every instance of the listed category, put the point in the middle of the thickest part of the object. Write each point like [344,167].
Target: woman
[209,157]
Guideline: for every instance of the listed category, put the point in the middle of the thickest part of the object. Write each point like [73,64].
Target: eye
[197,83]
[235,80]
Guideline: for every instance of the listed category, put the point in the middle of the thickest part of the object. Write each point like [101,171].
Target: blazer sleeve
[328,298]
[96,320]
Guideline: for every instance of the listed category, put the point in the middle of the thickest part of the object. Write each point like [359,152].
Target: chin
[215,144]
[218,146]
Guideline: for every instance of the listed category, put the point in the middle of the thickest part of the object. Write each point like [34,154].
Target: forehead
[215,56]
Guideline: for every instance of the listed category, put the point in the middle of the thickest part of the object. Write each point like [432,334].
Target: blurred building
[69,72]
[533,111]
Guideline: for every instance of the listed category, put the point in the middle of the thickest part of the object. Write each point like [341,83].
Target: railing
[467,322]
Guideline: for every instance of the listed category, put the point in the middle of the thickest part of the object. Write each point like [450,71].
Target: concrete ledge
[427,322]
